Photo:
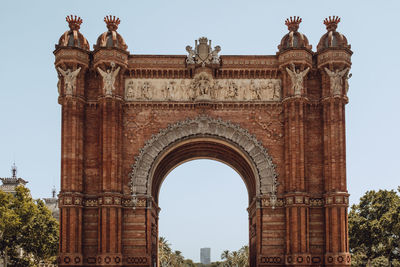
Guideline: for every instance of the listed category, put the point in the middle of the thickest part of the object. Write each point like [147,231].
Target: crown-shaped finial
[112,22]
[331,23]
[203,40]
[74,22]
[293,23]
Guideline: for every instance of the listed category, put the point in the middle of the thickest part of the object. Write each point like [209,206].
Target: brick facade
[299,221]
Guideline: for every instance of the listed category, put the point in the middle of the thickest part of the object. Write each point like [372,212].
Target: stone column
[333,101]
[110,104]
[295,65]
[296,197]
[71,65]
[336,196]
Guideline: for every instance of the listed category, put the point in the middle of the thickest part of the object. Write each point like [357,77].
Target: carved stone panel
[202,87]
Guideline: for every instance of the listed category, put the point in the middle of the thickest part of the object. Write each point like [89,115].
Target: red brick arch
[128,119]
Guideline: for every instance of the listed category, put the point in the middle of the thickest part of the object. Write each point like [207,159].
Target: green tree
[164,252]
[374,229]
[177,259]
[188,263]
[9,226]
[238,258]
[26,227]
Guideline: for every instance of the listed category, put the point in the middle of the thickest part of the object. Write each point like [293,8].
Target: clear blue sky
[30,115]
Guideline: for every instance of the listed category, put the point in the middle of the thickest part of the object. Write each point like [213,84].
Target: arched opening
[205,147]
[203,138]
[203,204]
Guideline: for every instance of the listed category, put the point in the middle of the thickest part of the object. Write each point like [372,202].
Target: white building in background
[10,183]
[52,204]
[205,255]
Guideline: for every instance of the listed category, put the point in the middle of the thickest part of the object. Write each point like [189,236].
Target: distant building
[205,255]
[52,205]
[10,183]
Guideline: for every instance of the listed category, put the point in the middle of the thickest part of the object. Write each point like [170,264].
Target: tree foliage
[28,228]
[169,258]
[238,258]
[374,229]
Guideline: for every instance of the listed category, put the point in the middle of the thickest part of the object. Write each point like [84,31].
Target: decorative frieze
[337,56]
[202,87]
[313,202]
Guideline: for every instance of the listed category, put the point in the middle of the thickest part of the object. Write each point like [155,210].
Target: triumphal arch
[129,119]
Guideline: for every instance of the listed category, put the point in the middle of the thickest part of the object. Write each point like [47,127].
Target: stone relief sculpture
[255,90]
[297,79]
[202,53]
[233,89]
[202,87]
[191,55]
[214,55]
[109,78]
[346,82]
[69,80]
[336,80]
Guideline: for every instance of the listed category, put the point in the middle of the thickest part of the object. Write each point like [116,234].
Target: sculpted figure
[255,90]
[146,90]
[232,90]
[297,79]
[277,90]
[190,57]
[170,90]
[201,85]
[109,78]
[270,90]
[336,80]
[214,55]
[346,82]
[216,89]
[69,79]
[130,91]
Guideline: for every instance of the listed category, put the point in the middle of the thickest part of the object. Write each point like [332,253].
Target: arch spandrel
[265,174]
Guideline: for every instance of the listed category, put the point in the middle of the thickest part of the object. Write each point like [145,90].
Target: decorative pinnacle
[293,23]
[112,22]
[331,23]
[14,171]
[74,22]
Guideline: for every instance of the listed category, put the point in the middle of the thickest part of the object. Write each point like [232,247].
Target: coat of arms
[203,53]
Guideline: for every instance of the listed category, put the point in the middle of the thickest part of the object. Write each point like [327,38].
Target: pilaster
[295,65]
[71,65]
[334,65]
[110,68]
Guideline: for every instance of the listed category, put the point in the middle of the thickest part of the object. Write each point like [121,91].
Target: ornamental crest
[203,53]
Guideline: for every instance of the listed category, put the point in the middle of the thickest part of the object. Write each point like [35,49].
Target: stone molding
[266,175]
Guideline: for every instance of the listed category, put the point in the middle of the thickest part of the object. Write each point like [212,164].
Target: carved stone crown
[112,22]
[74,22]
[203,40]
[293,23]
[331,23]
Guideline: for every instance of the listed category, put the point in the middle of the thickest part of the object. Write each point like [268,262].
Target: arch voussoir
[266,176]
